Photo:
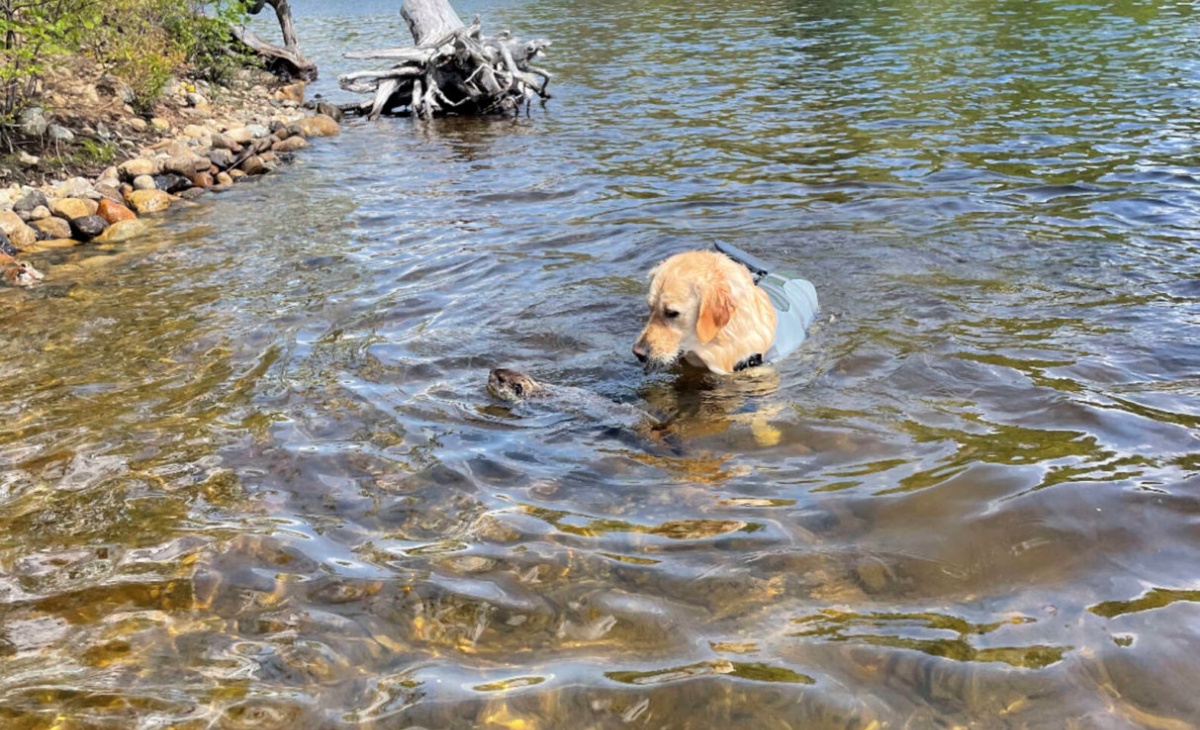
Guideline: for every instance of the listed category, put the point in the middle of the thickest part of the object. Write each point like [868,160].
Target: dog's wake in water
[537,398]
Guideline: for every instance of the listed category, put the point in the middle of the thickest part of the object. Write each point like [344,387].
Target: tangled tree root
[452,69]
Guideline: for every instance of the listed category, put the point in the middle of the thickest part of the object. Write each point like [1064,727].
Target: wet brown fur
[512,385]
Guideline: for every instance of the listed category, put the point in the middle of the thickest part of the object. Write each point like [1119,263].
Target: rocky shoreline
[191,147]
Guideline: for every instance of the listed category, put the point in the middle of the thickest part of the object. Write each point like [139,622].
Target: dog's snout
[640,352]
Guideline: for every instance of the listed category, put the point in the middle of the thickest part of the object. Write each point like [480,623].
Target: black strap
[751,362]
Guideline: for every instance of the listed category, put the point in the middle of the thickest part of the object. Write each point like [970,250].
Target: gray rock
[113,86]
[103,132]
[112,191]
[172,183]
[258,131]
[6,246]
[87,227]
[144,182]
[138,124]
[33,122]
[330,110]
[186,163]
[76,187]
[222,158]
[30,200]
[194,99]
[59,133]
[27,159]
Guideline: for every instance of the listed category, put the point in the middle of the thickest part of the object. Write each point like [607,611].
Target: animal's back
[589,405]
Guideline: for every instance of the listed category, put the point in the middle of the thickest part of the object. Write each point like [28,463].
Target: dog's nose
[639,351]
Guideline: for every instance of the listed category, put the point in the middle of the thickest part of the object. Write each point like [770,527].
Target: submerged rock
[123,231]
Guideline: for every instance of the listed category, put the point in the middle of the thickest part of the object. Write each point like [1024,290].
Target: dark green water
[249,477]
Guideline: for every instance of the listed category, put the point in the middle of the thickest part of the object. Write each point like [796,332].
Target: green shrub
[202,33]
[34,31]
[144,42]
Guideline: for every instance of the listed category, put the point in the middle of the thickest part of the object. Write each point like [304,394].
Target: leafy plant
[202,32]
[32,32]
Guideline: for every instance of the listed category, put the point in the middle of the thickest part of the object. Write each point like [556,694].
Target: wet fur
[722,317]
[513,385]
[17,273]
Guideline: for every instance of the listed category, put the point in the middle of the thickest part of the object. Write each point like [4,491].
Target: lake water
[249,476]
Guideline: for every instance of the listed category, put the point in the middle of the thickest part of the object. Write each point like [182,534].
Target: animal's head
[21,274]
[693,296]
[512,385]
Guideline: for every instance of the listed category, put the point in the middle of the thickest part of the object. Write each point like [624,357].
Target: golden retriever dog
[705,308]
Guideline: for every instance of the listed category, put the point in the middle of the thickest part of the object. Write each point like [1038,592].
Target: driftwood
[452,68]
[286,59]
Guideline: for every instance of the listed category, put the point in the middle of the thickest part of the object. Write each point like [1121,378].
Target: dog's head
[693,296]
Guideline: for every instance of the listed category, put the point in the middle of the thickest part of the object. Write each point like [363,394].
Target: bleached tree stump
[452,68]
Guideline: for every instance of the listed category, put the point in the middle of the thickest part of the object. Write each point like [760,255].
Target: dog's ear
[716,307]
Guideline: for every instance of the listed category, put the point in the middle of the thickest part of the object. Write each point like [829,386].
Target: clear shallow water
[250,477]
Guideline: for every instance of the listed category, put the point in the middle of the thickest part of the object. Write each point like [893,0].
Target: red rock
[113,212]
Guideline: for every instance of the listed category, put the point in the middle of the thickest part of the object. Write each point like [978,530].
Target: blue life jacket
[794,300]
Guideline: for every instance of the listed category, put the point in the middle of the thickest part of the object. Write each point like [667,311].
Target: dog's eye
[670,314]
[518,389]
